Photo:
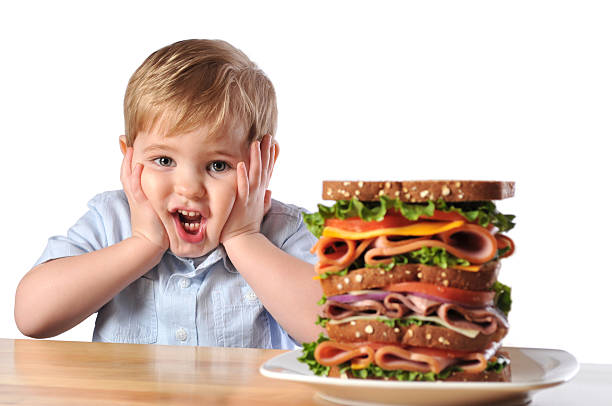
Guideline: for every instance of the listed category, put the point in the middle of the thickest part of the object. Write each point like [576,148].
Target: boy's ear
[123,144]
[276,150]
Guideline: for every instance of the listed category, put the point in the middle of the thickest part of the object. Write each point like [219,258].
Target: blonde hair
[195,82]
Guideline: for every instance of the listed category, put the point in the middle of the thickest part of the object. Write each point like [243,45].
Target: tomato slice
[467,297]
[392,219]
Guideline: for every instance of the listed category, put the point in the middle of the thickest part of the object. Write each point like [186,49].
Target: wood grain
[80,373]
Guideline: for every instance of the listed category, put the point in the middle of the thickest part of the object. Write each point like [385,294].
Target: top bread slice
[418,191]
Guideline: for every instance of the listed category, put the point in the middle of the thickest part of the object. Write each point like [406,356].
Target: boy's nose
[190,187]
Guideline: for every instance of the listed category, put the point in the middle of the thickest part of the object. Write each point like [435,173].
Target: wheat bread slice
[419,191]
[376,278]
[426,335]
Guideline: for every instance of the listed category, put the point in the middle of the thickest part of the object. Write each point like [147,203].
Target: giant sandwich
[409,278]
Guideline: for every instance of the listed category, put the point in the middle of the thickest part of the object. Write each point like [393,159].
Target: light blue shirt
[182,301]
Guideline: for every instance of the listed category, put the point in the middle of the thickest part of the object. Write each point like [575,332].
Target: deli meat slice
[473,363]
[336,254]
[469,241]
[392,357]
[485,320]
[331,353]
[400,305]
[338,311]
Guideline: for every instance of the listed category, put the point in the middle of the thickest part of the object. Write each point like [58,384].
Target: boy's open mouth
[190,221]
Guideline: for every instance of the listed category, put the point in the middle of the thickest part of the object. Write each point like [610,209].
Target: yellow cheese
[417,229]
[470,268]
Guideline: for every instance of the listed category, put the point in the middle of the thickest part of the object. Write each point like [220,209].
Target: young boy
[192,250]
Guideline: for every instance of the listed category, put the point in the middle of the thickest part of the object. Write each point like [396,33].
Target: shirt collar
[206,261]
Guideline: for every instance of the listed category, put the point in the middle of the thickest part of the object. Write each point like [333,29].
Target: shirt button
[185,283]
[181,334]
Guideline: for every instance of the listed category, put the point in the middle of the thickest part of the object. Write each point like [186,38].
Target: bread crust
[427,335]
[374,278]
[419,191]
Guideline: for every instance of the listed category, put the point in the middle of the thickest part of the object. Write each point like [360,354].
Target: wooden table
[76,373]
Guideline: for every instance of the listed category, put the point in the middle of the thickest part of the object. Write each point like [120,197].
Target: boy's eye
[218,166]
[163,161]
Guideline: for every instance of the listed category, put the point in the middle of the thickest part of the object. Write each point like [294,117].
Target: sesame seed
[357,192]
[408,272]
[353,322]
[443,274]
[445,282]
[458,184]
[382,272]
[441,339]
[405,190]
[424,193]
[360,184]
[357,334]
[329,192]
[428,336]
[410,333]
[346,280]
[396,330]
[369,329]
[445,190]
[381,192]
[339,286]
[388,185]
[384,333]
[461,196]
[413,188]
[413,200]
[407,196]
[420,275]
[358,278]
[397,193]
[390,275]
[346,183]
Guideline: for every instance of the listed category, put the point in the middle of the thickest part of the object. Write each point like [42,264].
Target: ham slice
[485,320]
[401,305]
[336,254]
[393,357]
[331,353]
[338,311]
[469,241]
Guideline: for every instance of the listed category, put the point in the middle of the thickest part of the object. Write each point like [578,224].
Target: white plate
[533,369]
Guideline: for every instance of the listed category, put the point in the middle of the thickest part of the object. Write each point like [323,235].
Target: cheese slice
[416,230]
[434,319]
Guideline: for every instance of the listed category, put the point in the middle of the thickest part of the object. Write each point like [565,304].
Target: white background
[517,90]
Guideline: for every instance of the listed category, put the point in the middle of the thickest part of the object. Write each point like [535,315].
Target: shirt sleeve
[88,234]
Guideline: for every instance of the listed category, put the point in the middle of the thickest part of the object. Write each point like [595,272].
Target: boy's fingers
[255,169]
[126,166]
[136,185]
[267,201]
[271,163]
[265,155]
[242,181]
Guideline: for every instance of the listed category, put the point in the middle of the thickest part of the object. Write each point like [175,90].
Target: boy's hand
[145,222]
[252,198]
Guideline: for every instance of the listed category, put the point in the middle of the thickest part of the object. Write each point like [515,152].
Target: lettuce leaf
[502,297]
[484,213]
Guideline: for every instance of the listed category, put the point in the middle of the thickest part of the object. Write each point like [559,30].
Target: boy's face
[189,173]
